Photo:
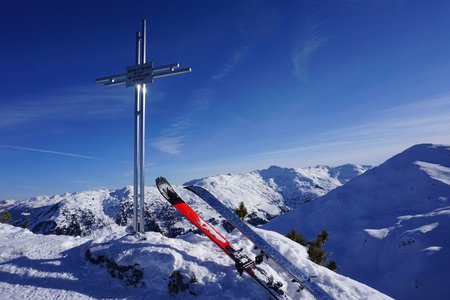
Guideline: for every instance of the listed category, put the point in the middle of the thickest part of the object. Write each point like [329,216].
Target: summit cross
[138,76]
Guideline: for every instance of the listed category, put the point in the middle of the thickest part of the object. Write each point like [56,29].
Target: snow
[424,228]
[384,225]
[48,266]
[435,171]
[37,266]
[265,196]
[379,233]
[388,228]
[270,192]
[383,232]
[432,249]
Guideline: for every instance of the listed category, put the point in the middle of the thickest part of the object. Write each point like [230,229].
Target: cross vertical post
[136,183]
[138,76]
[142,128]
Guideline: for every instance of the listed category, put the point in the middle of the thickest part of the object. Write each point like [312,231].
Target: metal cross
[138,76]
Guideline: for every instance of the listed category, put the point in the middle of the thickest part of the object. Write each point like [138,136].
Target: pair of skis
[243,262]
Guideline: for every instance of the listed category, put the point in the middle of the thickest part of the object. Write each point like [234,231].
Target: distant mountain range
[266,194]
[389,227]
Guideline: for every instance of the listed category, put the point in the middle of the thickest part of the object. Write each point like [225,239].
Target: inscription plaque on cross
[138,76]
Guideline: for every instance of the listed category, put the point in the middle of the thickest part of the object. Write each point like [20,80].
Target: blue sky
[290,83]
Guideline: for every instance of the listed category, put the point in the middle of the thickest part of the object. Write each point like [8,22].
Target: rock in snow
[389,227]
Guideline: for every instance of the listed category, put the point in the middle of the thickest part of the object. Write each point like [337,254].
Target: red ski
[242,261]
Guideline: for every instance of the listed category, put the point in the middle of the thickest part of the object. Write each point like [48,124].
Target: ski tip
[160,181]
[163,186]
[167,190]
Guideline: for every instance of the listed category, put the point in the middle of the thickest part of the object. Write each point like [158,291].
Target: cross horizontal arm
[172,72]
[110,78]
[166,67]
[116,82]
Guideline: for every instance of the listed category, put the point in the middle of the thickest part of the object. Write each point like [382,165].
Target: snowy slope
[270,192]
[34,266]
[266,193]
[389,227]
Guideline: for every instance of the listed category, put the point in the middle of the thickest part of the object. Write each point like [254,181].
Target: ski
[259,242]
[242,261]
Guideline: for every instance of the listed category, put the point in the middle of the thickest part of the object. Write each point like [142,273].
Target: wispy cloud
[73,103]
[426,120]
[303,53]
[236,56]
[49,152]
[386,133]
[168,144]
[171,140]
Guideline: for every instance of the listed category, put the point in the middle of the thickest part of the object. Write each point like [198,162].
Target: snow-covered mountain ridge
[289,186]
[390,226]
[266,193]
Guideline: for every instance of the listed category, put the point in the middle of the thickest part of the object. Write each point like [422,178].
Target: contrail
[48,151]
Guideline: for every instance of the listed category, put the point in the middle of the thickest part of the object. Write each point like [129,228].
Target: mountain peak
[432,152]
[394,217]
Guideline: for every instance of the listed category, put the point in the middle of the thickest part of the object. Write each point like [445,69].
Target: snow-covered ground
[34,266]
[389,227]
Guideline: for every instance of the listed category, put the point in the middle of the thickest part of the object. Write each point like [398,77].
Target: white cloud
[172,138]
[168,144]
[427,120]
[385,134]
[236,56]
[81,102]
[171,141]
[200,99]
[49,152]
[303,53]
